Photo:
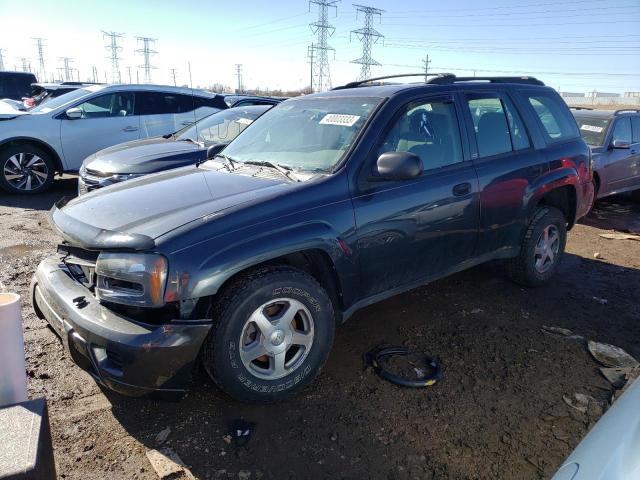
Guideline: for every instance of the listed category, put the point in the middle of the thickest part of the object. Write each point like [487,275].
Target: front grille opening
[115,358]
[121,285]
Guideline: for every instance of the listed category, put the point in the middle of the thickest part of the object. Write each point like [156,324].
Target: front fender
[213,270]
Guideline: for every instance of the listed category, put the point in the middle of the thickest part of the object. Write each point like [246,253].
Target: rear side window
[158,103]
[622,130]
[635,126]
[557,122]
[498,127]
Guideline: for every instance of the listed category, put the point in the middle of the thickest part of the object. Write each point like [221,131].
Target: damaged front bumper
[126,356]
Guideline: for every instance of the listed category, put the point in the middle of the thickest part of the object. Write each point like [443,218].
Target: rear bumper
[586,197]
[124,355]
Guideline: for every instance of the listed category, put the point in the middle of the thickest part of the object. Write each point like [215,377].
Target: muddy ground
[498,412]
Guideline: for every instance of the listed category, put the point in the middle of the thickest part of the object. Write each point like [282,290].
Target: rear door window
[159,103]
[557,122]
[635,127]
[497,126]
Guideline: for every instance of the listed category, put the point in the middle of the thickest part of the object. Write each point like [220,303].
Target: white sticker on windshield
[339,119]
[592,128]
[244,121]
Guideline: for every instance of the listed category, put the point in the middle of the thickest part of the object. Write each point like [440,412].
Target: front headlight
[136,279]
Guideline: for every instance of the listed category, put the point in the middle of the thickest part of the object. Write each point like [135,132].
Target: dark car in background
[41,92]
[16,85]
[324,205]
[614,138]
[247,100]
[185,147]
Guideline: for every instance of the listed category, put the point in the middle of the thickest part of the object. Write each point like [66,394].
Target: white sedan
[56,136]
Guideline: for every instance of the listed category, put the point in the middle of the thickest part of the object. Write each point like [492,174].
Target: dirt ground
[498,412]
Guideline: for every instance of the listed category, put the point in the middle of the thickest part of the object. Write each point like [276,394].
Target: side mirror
[215,149]
[397,166]
[73,113]
[620,144]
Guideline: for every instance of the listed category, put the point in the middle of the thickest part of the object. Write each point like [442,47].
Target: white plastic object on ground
[13,377]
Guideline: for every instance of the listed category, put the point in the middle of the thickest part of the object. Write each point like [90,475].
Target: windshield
[310,134]
[221,127]
[61,100]
[592,129]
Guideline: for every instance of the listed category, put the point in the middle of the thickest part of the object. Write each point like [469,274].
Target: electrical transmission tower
[368,36]
[114,57]
[426,62]
[239,75]
[42,71]
[173,75]
[319,51]
[2,58]
[67,70]
[26,64]
[146,55]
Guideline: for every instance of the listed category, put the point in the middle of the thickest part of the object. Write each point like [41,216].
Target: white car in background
[56,136]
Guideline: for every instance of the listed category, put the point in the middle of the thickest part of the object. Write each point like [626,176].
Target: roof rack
[626,110]
[360,83]
[449,79]
[581,108]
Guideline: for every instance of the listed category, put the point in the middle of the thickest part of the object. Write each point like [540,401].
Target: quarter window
[429,130]
[497,125]
[557,122]
[112,105]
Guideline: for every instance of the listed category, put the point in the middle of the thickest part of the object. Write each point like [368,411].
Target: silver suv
[614,138]
[58,135]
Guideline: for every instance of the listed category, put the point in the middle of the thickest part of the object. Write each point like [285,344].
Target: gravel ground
[498,413]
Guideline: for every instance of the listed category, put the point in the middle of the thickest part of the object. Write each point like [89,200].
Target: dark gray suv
[614,138]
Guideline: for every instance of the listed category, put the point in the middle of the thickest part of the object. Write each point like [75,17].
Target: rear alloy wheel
[273,330]
[541,250]
[25,170]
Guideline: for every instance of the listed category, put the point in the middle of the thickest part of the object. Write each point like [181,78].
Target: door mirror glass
[620,144]
[73,113]
[215,149]
[397,166]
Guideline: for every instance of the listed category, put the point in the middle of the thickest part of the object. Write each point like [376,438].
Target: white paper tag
[244,121]
[339,119]
[592,128]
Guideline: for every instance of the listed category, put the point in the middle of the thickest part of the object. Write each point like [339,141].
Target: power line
[114,57]
[42,72]
[319,50]
[368,36]
[146,54]
[507,7]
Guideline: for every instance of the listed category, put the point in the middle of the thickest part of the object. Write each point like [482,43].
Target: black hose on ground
[374,357]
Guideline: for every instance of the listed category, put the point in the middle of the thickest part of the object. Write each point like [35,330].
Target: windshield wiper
[231,163]
[286,171]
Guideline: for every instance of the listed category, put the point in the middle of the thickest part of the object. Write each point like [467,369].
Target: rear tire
[542,248]
[25,170]
[273,330]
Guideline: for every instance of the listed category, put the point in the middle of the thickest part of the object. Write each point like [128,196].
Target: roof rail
[448,79]
[626,110]
[581,108]
[360,83]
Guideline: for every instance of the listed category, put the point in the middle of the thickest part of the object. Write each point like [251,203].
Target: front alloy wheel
[272,331]
[25,170]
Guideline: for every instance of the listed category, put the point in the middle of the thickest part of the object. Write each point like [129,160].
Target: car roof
[391,89]
[599,113]
[158,88]
[10,72]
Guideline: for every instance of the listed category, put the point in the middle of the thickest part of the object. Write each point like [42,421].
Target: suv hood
[132,214]
[145,156]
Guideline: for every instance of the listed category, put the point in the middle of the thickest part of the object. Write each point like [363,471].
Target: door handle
[130,129]
[462,189]
[188,123]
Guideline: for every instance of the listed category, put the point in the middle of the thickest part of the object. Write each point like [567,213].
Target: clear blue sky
[570,44]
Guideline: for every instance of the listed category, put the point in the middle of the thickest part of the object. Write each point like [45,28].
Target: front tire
[25,170]
[542,248]
[273,330]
